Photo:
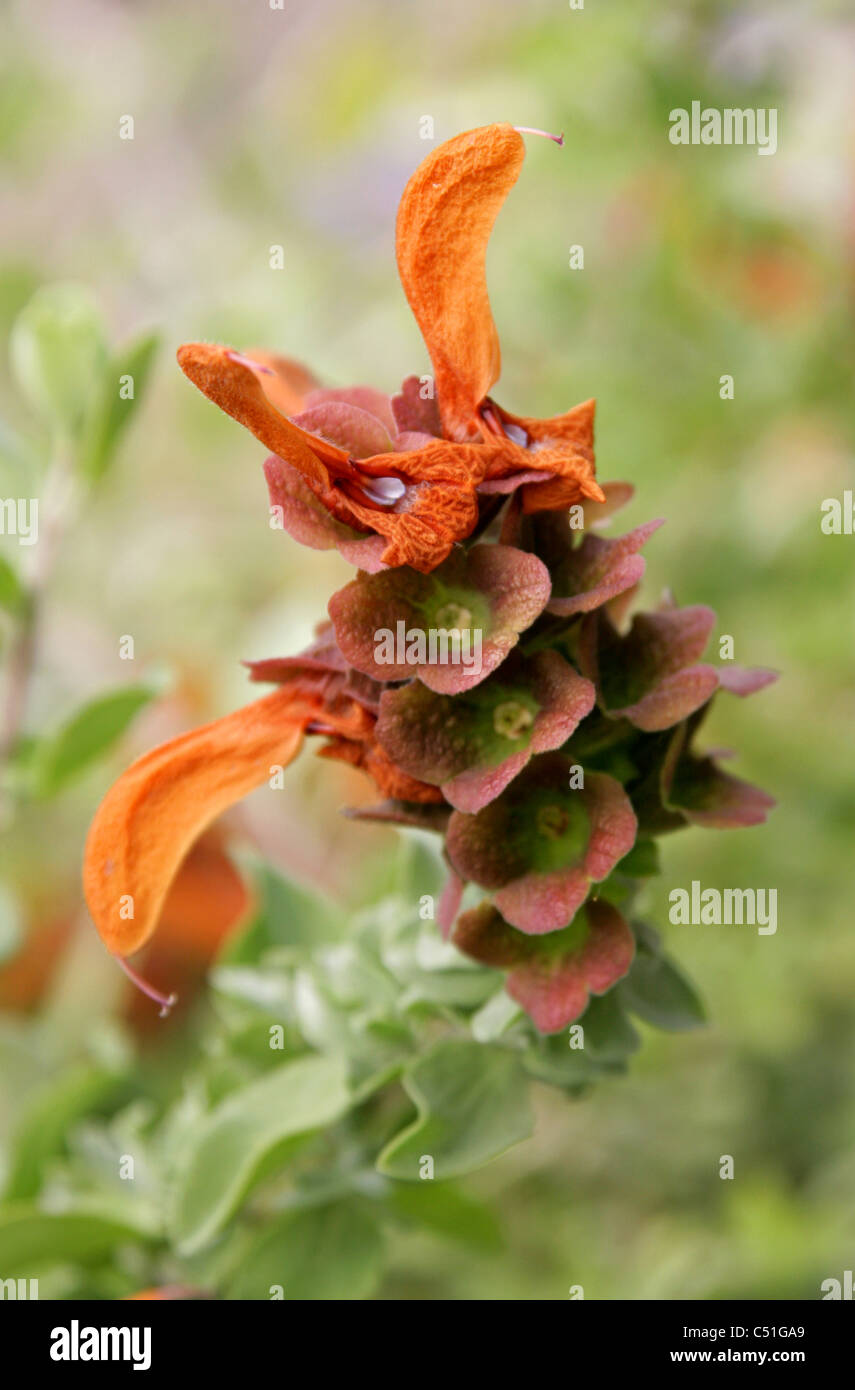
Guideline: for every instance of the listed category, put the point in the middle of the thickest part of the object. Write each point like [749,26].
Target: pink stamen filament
[497,426]
[547,135]
[492,421]
[165,1001]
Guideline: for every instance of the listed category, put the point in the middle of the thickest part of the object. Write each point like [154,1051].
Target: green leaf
[89,733]
[661,994]
[642,860]
[13,596]
[494,1017]
[609,1035]
[420,869]
[460,989]
[270,991]
[16,778]
[58,351]
[249,1136]
[326,1253]
[472,1104]
[42,1132]
[435,972]
[30,1238]
[287,915]
[553,1061]
[128,370]
[22,462]
[442,1208]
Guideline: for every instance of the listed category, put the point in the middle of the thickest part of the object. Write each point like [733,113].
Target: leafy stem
[59,509]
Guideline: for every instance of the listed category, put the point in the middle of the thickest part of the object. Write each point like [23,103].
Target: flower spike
[481,669]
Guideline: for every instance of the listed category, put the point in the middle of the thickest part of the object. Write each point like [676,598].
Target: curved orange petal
[572,487]
[291,383]
[226,379]
[152,815]
[439,515]
[560,444]
[445,219]
[439,508]
[573,482]
[575,427]
[206,900]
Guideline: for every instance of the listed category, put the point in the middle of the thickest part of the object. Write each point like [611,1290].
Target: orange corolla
[150,819]
[417,479]
[421,493]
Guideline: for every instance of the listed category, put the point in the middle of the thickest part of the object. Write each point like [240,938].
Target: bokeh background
[299,127]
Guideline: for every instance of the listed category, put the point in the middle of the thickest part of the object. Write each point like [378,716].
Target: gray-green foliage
[78,396]
[348,1074]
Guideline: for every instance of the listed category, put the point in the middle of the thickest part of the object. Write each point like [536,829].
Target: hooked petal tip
[592,490]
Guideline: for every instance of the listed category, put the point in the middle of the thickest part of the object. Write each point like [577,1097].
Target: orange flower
[418,475]
[151,817]
[420,493]
[146,826]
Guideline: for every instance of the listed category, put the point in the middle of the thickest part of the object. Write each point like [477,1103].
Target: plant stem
[60,504]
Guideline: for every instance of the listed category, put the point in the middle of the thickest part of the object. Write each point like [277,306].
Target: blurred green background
[256,127]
